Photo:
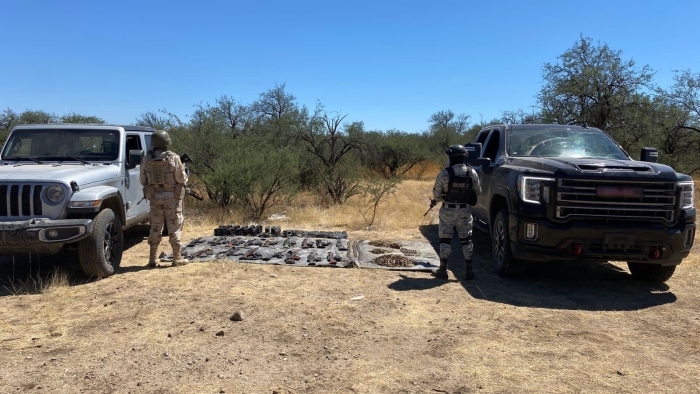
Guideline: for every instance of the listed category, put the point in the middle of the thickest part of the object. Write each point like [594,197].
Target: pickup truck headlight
[534,189]
[687,197]
[55,194]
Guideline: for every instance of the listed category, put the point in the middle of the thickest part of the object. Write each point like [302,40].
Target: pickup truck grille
[17,200]
[596,200]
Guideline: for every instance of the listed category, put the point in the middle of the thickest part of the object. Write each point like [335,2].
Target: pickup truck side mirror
[134,158]
[650,155]
[485,164]
[473,153]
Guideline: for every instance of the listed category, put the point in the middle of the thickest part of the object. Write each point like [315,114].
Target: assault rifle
[433,203]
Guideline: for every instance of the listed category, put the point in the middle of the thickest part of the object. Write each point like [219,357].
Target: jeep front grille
[596,200]
[20,200]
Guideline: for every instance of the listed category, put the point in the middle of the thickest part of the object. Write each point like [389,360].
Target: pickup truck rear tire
[651,272]
[101,253]
[503,261]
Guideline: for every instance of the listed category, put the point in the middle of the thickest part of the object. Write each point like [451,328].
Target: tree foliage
[593,84]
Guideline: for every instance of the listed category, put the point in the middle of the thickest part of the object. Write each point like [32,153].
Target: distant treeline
[260,154]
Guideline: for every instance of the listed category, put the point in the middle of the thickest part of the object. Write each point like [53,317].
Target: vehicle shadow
[32,274]
[563,285]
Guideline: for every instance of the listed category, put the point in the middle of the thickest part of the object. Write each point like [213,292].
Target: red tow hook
[576,249]
[655,252]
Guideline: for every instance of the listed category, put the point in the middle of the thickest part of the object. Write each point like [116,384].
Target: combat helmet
[456,150]
[160,139]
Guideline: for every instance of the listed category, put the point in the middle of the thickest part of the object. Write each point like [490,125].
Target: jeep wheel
[651,272]
[503,261]
[101,253]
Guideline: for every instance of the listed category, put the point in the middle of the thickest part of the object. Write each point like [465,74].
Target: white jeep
[72,184]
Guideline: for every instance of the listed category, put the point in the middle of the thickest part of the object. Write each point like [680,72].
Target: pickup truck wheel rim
[499,242]
[111,243]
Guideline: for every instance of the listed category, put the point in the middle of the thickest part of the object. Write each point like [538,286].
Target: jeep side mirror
[650,155]
[134,158]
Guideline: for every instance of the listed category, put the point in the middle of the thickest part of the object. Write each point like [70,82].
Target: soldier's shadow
[554,285]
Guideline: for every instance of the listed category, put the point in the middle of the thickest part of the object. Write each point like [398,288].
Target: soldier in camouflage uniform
[457,187]
[164,178]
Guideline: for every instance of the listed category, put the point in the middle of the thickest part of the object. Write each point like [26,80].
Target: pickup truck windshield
[62,145]
[573,143]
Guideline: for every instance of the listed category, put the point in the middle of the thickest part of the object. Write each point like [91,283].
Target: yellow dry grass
[561,329]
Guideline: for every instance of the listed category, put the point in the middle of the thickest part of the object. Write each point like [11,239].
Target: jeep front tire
[101,253]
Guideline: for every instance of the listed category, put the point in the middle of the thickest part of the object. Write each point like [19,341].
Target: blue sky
[390,64]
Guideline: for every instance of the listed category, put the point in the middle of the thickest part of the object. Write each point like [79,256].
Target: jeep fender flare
[108,196]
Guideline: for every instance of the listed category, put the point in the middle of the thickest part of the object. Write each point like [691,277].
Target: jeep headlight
[687,197]
[534,189]
[55,194]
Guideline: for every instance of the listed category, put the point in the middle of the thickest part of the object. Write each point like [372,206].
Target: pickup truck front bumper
[41,235]
[654,244]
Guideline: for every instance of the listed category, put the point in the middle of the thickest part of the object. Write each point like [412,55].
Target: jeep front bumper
[41,235]
[654,243]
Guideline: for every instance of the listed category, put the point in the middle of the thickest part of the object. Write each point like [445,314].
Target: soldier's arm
[475,180]
[143,175]
[180,174]
[440,185]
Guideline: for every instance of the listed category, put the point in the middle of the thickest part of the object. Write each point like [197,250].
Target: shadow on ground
[570,285]
[31,274]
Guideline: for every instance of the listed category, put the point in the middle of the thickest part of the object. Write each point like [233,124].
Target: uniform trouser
[451,220]
[166,208]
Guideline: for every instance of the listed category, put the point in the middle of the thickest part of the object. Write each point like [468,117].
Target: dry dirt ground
[559,329]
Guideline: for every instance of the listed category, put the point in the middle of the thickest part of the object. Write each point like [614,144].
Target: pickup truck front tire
[651,272]
[503,261]
[101,253]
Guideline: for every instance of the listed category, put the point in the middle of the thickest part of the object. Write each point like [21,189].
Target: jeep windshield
[559,142]
[82,145]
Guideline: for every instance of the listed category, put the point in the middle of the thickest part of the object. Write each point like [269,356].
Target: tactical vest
[459,187]
[160,172]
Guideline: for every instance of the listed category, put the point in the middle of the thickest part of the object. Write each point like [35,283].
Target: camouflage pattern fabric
[459,219]
[455,219]
[166,208]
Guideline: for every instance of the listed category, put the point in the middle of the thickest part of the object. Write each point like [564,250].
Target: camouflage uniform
[166,173]
[455,216]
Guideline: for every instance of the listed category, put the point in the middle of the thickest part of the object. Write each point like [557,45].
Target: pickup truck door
[491,142]
[134,193]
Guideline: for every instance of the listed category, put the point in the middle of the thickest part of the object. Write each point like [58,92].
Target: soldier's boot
[178,260]
[441,273]
[152,256]
[470,272]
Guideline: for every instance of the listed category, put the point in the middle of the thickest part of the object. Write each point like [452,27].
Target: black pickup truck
[560,192]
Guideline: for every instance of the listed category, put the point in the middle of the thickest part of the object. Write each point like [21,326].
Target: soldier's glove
[433,203]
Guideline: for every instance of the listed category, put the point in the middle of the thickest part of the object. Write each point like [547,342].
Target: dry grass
[400,212]
[569,328]
[48,283]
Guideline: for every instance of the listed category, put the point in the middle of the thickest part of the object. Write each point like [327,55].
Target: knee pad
[445,248]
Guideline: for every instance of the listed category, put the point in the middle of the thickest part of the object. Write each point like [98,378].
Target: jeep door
[137,208]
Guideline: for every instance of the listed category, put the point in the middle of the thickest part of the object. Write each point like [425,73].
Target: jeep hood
[599,167]
[82,174]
